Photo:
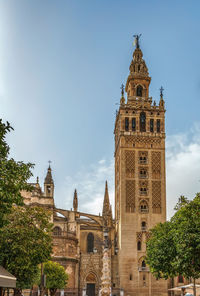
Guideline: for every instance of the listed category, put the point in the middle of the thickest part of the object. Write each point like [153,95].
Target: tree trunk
[194,287]
[1,291]
[17,292]
[53,292]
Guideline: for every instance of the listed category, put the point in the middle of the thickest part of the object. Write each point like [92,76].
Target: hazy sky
[61,66]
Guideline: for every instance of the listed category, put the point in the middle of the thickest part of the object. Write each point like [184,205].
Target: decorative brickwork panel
[156,196]
[156,164]
[139,236]
[130,163]
[142,140]
[148,235]
[130,196]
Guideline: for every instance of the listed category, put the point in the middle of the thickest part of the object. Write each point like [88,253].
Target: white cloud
[183,166]
[90,185]
[182,172]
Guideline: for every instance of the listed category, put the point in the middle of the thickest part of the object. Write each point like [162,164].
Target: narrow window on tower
[142,122]
[133,124]
[130,277]
[90,242]
[139,91]
[139,245]
[143,265]
[126,123]
[151,125]
[143,226]
[158,125]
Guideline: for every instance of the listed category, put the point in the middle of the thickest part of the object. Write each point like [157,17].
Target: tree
[186,224]
[24,243]
[56,277]
[161,251]
[181,202]
[13,177]
[180,240]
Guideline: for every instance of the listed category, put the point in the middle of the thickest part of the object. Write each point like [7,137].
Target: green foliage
[186,224]
[25,242]
[161,251]
[181,202]
[13,176]
[56,277]
[174,247]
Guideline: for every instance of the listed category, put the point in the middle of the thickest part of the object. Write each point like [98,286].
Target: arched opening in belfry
[139,91]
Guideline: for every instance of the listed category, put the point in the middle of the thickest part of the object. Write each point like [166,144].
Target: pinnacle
[48,179]
[106,202]
[75,201]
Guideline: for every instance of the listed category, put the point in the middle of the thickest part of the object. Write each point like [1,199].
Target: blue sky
[61,67]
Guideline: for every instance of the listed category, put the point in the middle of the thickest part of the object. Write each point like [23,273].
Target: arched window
[143,264]
[90,242]
[139,91]
[139,245]
[142,122]
[151,125]
[133,124]
[144,207]
[158,125]
[143,173]
[57,231]
[143,225]
[126,123]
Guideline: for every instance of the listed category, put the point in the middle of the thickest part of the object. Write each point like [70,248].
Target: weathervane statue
[136,41]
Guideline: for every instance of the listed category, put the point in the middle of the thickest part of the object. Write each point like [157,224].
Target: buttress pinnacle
[106,202]
[75,201]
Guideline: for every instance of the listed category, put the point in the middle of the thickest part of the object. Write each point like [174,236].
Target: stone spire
[75,201]
[138,66]
[49,184]
[138,76]
[107,211]
[106,202]
[162,102]
[48,178]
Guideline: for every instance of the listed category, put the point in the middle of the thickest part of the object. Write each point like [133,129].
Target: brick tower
[140,190]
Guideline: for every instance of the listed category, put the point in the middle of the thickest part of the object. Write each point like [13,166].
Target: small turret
[122,100]
[162,102]
[75,201]
[48,184]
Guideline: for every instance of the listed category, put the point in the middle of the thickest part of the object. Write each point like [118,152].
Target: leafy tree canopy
[186,228]
[25,242]
[182,201]
[13,176]
[161,251]
[56,277]
[174,247]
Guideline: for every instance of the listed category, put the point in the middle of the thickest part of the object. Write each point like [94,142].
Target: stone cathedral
[140,202]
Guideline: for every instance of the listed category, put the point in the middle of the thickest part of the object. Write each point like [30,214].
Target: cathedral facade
[79,239]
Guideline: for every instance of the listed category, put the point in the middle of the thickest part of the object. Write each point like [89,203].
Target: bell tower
[140,189]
